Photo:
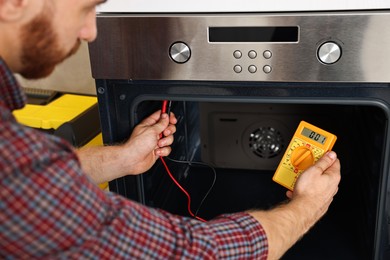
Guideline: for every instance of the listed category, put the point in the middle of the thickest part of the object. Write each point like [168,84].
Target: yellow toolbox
[72,117]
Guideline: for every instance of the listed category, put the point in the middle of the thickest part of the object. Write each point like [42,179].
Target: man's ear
[11,10]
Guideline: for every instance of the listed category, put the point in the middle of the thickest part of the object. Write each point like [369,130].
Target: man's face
[46,42]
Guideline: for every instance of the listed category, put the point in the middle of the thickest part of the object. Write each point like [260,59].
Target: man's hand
[313,193]
[150,140]
[319,183]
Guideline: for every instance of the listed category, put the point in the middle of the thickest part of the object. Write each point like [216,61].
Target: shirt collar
[11,94]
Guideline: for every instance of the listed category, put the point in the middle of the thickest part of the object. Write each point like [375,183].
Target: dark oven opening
[242,132]
[244,143]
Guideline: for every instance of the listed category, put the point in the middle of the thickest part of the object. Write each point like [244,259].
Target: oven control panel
[308,144]
[327,53]
[349,46]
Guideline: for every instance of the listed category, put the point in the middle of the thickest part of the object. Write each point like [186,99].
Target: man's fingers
[172,118]
[151,119]
[289,194]
[164,151]
[324,162]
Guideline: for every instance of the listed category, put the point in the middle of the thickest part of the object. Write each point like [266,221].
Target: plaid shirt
[50,209]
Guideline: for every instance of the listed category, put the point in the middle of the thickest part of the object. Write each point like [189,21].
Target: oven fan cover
[264,141]
[243,139]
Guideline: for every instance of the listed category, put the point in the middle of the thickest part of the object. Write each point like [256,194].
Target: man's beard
[40,48]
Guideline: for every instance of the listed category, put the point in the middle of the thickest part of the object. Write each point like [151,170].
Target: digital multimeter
[308,144]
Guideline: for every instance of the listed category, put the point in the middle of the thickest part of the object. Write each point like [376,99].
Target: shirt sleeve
[49,208]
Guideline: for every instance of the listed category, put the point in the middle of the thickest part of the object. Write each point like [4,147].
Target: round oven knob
[180,52]
[329,52]
[302,158]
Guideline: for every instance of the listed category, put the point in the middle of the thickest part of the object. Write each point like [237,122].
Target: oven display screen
[313,135]
[253,34]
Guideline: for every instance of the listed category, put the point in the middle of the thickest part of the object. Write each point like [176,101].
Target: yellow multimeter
[308,144]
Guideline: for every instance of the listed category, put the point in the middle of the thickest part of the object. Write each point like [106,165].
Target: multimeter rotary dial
[302,158]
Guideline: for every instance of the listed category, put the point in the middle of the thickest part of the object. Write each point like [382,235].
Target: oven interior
[240,144]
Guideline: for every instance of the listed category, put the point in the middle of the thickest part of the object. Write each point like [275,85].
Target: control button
[252,68]
[267,69]
[252,54]
[237,69]
[267,54]
[329,52]
[237,54]
[180,52]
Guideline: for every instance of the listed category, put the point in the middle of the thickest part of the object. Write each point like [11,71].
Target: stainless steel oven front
[239,85]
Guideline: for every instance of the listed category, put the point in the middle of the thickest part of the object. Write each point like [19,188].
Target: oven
[239,85]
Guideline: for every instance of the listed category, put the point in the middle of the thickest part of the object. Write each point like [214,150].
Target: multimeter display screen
[313,135]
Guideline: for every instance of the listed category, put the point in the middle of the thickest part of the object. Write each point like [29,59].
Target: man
[49,205]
